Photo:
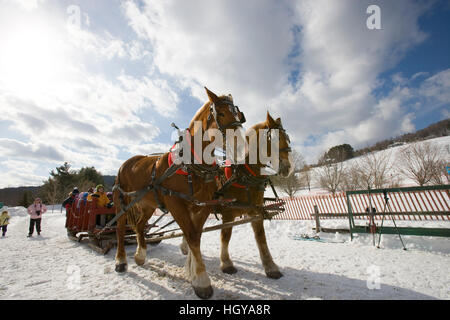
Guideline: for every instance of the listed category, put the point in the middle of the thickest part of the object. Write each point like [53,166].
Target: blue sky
[96,82]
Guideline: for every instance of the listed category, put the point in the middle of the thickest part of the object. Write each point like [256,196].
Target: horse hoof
[204,293]
[122,267]
[139,262]
[229,270]
[274,274]
[184,251]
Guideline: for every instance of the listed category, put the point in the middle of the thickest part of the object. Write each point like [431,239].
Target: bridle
[213,113]
[286,136]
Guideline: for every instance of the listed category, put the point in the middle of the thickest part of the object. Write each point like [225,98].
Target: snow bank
[53,267]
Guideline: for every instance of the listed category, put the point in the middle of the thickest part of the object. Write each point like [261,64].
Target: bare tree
[306,176]
[330,175]
[440,176]
[51,192]
[420,162]
[292,184]
[351,179]
[373,169]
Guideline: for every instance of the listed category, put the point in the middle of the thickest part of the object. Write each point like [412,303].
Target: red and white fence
[433,204]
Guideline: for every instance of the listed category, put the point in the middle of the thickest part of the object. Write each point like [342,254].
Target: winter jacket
[32,210]
[68,202]
[82,197]
[102,199]
[4,219]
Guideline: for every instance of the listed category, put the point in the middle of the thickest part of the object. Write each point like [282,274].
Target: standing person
[4,221]
[67,203]
[36,210]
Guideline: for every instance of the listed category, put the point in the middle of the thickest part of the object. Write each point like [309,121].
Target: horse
[139,172]
[249,188]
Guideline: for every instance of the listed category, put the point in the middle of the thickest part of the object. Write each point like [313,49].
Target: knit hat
[75,190]
[99,186]
[5,212]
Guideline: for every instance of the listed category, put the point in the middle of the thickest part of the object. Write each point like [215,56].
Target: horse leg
[184,246]
[195,267]
[121,255]
[226,265]
[270,267]
[141,250]
[196,270]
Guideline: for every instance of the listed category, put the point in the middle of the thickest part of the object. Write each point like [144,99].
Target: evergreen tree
[62,180]
[27,199]
[338,154]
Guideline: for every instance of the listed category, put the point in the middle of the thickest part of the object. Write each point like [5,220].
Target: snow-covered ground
[53,267]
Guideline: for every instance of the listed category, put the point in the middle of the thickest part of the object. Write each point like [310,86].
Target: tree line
[61,182]
[420,163]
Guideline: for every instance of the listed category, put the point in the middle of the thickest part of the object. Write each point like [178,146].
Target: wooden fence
[416,204]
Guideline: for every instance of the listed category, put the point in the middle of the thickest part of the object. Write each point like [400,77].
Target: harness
[243,177]
[206,172]
[213,113]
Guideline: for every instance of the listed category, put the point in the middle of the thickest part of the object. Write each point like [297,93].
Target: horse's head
[224,112]
[270,127]
[220,113]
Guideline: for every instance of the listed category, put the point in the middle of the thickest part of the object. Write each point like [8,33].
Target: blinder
[281,129]
[234,111]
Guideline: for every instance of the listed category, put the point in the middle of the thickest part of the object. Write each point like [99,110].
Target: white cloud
[228,46]
[149,148]
[437,87]
[12,177]
[60,109]
[250,50]
[312,63]
[26,4]
[35,151]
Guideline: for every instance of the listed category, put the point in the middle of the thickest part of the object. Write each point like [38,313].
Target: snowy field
[51,266]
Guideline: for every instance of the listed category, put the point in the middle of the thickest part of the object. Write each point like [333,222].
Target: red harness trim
[229,173]
[170,158]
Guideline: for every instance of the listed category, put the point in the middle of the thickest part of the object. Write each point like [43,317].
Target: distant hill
[12,196]
[109,181]
[435,130]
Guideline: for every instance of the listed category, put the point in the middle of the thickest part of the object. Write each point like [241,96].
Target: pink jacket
[33,208]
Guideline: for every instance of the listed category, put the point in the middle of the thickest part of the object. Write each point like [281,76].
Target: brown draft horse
[136,174]
[256,195]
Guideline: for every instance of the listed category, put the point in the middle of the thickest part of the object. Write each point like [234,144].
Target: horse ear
[270,120]
[211,95]
[278,121]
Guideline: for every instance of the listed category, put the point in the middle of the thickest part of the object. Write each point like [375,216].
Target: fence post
[316,211]
[350,215]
